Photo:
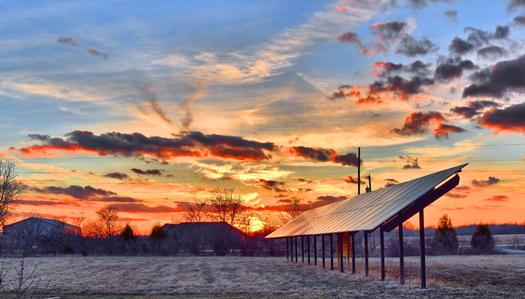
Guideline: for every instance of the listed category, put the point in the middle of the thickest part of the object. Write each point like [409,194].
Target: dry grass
[152,277]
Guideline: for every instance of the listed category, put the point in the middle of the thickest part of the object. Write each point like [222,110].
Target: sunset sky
[142,107]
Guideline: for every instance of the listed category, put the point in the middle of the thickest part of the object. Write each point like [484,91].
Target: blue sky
[265,71]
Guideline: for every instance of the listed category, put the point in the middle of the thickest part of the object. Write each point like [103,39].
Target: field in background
[466,276]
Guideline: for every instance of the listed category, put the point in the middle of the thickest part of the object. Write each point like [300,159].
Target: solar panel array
[364,212]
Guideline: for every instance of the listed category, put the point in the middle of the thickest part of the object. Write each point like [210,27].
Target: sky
[147,107]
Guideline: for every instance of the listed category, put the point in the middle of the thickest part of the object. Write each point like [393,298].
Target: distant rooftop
[53,222]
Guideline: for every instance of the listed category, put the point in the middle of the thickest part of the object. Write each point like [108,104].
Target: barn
[205,237]
[39,227]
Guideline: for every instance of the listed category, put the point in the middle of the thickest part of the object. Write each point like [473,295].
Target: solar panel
[364,212]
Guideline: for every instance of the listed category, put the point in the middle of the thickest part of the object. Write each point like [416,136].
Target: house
[205,237]
[36,227]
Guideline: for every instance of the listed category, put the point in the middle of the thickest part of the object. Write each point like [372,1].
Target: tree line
[106,234]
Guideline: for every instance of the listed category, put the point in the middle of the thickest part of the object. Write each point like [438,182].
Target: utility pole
[358,170]
[369,188]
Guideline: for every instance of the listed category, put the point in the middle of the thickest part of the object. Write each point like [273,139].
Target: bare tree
[108,217]
[105,226]
[226,205]
[26,282]
[10,188]
[94,229]
[194,211]
[296,208]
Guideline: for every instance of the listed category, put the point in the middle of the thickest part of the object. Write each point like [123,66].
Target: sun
[256,224]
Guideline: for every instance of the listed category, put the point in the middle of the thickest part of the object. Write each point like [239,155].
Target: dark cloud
[497,80]
[423,3]
[510,119]
[476,39]
[502,32]
[118,199]
[460,46]
[519,20]
[452,68]
[515,4]
[67,40]
[271,185]
[328,199]
[417,123]
[189,144]
[351,180]
[385,69]
[491,180]
[336,95]
[30,202]
[116,175]
[86,193]
[142,208]
[479,37]
[444,130]
[391,182]
[78,192]
[411,46]
[451,15]
[498,198]
[473,108]
[395,35]
[455,195]
[462,188]
[96,52]
[401,86]
[491,52]
[306,181]
[392,79]
[347,159]
[388,31]
[147,171]
[346,90]
[350,37]
[325,155]
[370,100]
[410,162]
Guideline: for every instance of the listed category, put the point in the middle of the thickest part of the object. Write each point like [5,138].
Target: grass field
[123,277]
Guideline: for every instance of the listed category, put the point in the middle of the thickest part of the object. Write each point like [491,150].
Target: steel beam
[296,253]
[315,250]
[382,241]
[420,204]
[323,251]
[401,256]
[302,249]
[308,248]
[422,247]
[341,254]
[331,251]
[353,252]
[287,247]
[365,234]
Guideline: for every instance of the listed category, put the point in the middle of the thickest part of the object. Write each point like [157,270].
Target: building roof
[364,212]
[200,226]
[52,222]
